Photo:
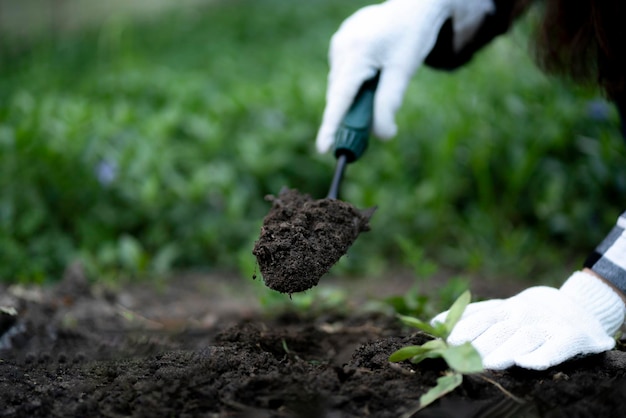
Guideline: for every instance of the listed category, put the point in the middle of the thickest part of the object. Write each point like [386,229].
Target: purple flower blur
[106,172]
[598,109]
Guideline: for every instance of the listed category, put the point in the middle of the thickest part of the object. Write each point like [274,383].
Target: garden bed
[191,347]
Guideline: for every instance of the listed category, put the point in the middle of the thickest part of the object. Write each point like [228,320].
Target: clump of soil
[302,238]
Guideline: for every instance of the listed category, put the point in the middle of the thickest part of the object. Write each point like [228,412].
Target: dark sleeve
[606,258]
[444,57]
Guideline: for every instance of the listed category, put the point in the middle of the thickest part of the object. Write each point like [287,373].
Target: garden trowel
[352,136]
[301,237]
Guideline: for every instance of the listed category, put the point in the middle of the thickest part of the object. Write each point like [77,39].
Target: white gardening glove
[542,326]
[394,37]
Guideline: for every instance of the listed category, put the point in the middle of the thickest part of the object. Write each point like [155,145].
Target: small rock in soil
[302,238]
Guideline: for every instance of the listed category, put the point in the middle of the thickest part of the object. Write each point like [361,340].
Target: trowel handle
[353,134]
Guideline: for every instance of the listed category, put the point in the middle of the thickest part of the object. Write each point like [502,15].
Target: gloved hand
[542,326]
[394,37]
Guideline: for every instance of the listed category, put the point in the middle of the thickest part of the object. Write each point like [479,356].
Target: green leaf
[131,253]
[436,344]
[428,354]
[437,330]
[463,358]
[445,385]
[456,311]
[406,353]
[164,259]
[409,352]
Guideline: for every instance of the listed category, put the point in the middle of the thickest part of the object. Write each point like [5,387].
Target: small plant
[462,359]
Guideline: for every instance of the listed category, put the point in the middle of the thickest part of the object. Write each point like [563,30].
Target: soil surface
[198,347]
[302,238]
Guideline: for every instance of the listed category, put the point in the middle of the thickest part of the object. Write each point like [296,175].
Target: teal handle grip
[353,134]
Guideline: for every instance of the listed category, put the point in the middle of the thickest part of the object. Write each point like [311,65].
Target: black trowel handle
[353,134]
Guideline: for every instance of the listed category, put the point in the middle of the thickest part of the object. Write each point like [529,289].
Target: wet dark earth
[188,349]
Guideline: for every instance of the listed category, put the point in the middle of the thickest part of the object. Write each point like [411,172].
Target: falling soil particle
[302,238]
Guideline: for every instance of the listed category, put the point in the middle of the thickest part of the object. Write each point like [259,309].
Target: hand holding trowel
[302,238]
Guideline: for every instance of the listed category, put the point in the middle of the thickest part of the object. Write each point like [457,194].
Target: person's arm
[608,283]
[395,38]
[544,326]
[446,56]
[608,260]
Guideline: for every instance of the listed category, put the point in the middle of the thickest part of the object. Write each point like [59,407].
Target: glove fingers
[475,307]
[563,347]
[471,309]
[471,327]
[401,62]
[508,344]
[342,88]
[391,88]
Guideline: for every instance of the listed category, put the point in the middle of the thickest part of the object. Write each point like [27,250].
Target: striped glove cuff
[609,258]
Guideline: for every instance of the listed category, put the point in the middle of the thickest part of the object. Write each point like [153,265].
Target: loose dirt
[199,347]
[302,238]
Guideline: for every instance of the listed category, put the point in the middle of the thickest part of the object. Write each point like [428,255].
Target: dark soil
[302,238]
[197,347]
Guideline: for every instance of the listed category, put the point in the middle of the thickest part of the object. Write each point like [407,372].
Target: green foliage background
[196,116]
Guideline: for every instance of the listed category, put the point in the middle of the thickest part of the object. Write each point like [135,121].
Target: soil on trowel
[302,238]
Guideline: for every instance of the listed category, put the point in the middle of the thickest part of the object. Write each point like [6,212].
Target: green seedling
[462,359]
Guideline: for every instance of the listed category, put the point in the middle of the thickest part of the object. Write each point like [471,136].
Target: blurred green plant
[313,302]
[461,359]
[421,300]
[146,147]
